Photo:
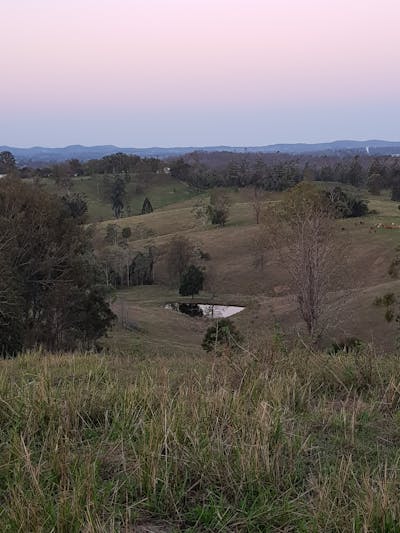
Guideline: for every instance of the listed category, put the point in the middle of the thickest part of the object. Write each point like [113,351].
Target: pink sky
[167,72]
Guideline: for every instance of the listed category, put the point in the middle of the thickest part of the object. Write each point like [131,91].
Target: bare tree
[212,282]
[259,247]
[304,234]
[257,203]
[179,255]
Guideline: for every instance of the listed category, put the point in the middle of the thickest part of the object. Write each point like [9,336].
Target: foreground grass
[275,442]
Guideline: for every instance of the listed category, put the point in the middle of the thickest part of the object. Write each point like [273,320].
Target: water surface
[205,310]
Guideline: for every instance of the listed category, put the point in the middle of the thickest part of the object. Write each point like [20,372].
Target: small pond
[205,310]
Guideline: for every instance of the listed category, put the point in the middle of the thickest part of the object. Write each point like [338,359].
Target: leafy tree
[119,163]
[77,205]
[358,207]
[112,234]
[147,207]
[345,205]
[52,283]
[396,191]
[75,167]
[355,172]
[179,256]
[192,281]
[222,334]
[7,162]
[10,305]
[118,194]
[375,183]
[180,169]
[233,173]
[141,268]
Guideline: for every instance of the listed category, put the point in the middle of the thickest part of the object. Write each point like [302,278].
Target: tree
[192,281]
[147,207]
[346,205]
[112,234]
[222,335]
[259,247]
[76,167]
[304,234]
[180,169]
[257,203]
[218,209]
[53,294]
[179,256]
[10,306]
[355,172]
[77,205]
[200,211]
[7,162]
[118,194]
[375,183]
[396,191]
[126,233]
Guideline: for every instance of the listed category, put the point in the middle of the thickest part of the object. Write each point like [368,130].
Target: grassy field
[266,293]
[234,279]
[268,441]
[161,189]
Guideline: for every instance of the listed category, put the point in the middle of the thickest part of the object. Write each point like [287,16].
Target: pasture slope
[233,279]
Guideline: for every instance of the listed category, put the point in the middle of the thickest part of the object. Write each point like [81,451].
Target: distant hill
[38,154]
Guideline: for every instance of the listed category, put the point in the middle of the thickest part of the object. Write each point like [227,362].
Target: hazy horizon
[144,73]
[198,145]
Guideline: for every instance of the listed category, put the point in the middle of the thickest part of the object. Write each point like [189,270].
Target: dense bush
[222,334]
[50,284]
[345,204]
[192,281]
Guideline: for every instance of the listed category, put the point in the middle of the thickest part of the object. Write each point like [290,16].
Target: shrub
[221,334]
[126,233]
[347,345]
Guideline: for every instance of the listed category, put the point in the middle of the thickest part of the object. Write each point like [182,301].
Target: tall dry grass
[277,442]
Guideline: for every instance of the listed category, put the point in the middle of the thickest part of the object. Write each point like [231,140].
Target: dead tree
[304,234]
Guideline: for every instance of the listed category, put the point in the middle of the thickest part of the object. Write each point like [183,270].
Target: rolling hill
[42,155]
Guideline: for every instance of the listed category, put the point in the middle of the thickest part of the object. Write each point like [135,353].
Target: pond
[205,310]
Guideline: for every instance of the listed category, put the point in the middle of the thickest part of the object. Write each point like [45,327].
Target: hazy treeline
[112,164]
[204,170]
[281,171]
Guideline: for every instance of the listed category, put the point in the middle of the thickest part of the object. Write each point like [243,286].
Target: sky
[198,72]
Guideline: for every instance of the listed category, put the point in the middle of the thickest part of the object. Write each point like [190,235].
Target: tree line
[280,172]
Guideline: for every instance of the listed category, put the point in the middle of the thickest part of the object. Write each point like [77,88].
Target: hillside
[231,275]
[265,293]
[40,154]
